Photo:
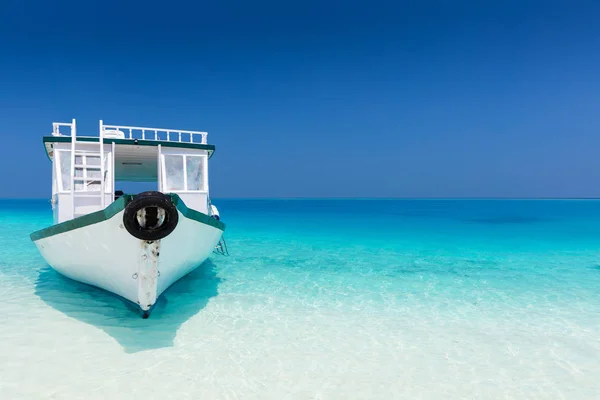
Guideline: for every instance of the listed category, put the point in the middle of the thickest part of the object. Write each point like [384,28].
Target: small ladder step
[221,247]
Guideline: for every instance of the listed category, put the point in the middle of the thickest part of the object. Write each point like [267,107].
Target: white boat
[134,246]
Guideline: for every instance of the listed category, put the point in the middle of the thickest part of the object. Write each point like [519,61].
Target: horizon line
[367,198]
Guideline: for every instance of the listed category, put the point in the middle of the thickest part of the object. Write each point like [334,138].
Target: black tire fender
[150,216]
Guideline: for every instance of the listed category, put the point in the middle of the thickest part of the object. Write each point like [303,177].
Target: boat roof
[135,159]
[135,147]
[135,143]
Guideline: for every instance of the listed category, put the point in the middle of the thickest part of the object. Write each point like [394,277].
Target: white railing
[137,132]
[144,133]
[57,125]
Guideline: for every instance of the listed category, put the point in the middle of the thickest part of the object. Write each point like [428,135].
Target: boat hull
[104,254]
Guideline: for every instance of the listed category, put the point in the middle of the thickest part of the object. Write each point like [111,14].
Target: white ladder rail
[112,160]
[159,172]
[101,141]
[73,142]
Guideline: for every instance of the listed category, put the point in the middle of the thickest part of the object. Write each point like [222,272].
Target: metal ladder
[221,247]
[85,167]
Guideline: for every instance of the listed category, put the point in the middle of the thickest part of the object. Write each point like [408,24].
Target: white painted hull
[105,255]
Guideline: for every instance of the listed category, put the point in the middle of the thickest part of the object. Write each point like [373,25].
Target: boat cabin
[86,170]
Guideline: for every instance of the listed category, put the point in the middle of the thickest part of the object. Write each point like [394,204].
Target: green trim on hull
[113,209]
[89,219]
[140,142]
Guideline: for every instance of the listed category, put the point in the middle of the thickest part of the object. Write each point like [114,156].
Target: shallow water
[325,299]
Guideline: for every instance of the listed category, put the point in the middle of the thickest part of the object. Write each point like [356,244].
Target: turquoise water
[324,299]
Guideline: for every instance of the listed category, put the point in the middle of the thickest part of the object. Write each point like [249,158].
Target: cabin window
[195,172]
[87,172]
[174,172]
[92,161]
[64,162]
[184,172]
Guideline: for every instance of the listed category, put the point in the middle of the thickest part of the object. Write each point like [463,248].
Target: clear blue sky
[319,98]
